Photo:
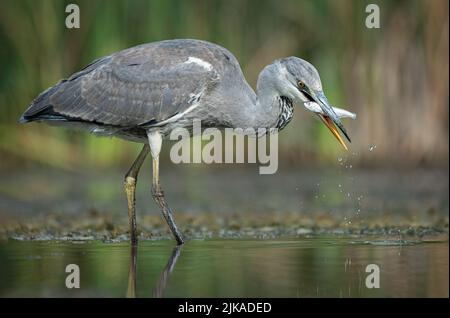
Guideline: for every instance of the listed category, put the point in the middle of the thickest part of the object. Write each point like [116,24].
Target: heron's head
[299,80]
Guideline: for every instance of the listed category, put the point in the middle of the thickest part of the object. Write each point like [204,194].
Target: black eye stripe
[308,96]
[301,86]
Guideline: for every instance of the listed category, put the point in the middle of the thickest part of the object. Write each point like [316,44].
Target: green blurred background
[395,78]
[57,184]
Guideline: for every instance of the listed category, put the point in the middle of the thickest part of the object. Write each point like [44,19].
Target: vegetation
[395,78]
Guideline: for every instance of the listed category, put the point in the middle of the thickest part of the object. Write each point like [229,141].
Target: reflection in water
[307,267]
[161,284]
[164,277]
[131,291]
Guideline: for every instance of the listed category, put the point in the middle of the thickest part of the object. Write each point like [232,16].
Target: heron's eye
[300,84]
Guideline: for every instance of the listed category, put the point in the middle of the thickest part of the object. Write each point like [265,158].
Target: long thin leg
[155,142]
[130,189]
[158,196]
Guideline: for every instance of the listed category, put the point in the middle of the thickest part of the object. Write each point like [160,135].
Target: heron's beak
[329,123]
[330,118]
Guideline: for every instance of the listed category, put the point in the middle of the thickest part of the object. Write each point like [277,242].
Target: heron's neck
[271,110]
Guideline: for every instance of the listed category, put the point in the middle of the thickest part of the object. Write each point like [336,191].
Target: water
[298,233]
[309,267]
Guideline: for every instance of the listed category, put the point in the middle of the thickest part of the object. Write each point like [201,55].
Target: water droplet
[340,185]
[372,147]
[340,159]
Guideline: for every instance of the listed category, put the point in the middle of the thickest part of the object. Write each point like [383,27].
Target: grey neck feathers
[272,109]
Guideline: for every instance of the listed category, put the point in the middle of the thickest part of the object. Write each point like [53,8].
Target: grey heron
[144,92]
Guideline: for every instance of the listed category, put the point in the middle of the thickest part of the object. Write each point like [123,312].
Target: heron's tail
[41,107]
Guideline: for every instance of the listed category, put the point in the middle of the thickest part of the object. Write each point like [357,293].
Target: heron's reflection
[131,291]
[161,284]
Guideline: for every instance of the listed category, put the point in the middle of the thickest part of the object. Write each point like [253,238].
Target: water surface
[310,267]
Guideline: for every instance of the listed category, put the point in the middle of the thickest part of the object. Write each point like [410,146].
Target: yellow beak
[329,123]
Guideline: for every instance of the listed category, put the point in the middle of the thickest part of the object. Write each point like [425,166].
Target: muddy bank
[109,228]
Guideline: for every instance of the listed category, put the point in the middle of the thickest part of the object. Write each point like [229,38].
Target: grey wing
[134,87]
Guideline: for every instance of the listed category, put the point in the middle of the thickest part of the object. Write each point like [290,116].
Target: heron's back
[140,87]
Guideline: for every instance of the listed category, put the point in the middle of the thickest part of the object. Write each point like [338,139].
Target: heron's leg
[155,141]
[130,189]
[158,196]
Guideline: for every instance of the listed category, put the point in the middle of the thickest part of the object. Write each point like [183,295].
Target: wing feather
[129,88]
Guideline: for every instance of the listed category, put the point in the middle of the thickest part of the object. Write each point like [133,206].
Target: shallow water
[311,267]
[308,234]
